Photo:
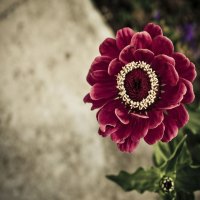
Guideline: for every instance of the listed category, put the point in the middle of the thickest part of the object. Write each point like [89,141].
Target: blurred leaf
[172,163]
[194,124]
[164,151]
[161,153]
[188,178]
[140,180]
[184,196]
[193,143]
[195,154]
[168,197]
[178,195]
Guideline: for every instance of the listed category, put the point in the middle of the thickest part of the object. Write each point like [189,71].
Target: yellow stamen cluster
[152,93]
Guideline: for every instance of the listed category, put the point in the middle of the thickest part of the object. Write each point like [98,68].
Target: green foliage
[194,123]
[181,195]
[188,178]
[164,153]
[175,160]
[193,143]
[171,160]
[141,180]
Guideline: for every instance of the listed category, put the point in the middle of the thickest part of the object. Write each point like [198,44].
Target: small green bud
[167,184]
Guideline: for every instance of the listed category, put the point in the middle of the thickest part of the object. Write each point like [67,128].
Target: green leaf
[163,151]
[171,164]
[184,196]
[193,123]
[167,155]
[195,154]
[193,143]
[140,180]
[188,178]
[168,197]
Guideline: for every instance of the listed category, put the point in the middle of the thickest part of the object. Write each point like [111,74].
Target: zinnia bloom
[139,86]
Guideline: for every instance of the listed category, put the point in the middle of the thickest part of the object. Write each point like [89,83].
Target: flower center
[138,85]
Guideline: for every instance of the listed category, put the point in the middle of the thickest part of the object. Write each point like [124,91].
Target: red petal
[121,134]
[153,29]
[95,104]
[171,129]
[180,115]
[106,116]
[140,115]
[114,67]
[90,79]
[189,96]
[108,130]
[191,73]
[184,67]
[160,59]
[139,128]
[164,66]
[123,37]
[122,115]
[162,45]
[103,91]
[128,146]
[99,63]
[155,118]
[182,62]
[172,96]
[143,55]
[87,98]
[109,48]
[174,119]
[141,40]
[155,134]
[100,75]
[126,55]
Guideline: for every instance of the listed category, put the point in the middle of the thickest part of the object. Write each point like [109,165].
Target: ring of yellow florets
[152,93]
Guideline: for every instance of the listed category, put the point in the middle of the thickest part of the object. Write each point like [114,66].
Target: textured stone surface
[49,148]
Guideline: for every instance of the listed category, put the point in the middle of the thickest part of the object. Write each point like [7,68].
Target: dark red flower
[140,86]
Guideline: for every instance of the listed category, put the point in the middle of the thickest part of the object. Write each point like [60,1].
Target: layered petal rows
[161,120]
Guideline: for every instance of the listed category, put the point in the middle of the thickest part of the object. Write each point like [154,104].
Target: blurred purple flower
[156,15]
[189,32]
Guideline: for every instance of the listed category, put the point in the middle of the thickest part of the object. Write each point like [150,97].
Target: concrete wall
[49,146]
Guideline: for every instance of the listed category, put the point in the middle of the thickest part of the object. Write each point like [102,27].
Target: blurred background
[49,146]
